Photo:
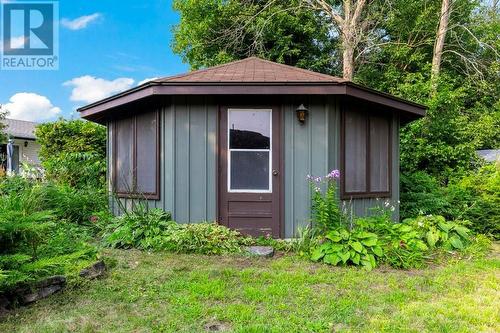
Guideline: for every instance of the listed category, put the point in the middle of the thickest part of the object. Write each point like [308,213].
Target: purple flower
[333,174]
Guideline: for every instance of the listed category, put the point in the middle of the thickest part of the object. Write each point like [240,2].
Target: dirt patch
[217,326]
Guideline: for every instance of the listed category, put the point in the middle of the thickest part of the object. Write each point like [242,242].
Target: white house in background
[26,148]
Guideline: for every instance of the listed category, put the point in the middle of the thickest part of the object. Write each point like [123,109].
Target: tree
[212,32]
[73,152]
[354,21]
[440,38]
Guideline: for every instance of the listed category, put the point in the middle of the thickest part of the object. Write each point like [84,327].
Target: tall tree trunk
[439,44]
[349,24]
[348,61]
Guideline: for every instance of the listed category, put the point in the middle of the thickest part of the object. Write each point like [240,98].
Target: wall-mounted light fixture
[25,143]
[302,113]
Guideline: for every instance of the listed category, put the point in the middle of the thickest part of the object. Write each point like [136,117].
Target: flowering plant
[325,204]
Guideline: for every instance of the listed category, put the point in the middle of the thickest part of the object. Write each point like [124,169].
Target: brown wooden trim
[96,110]
[134,195]
[368,193]
[277,157]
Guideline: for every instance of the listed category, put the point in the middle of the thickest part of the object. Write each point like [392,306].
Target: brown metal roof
[251,70]
[251,76]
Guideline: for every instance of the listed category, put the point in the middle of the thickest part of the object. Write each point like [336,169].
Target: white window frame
[270,151]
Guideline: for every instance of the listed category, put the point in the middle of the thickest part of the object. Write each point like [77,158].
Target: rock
[96,270]
[42,289]
[260,251]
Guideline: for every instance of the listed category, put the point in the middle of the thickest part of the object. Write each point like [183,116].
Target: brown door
[250,170]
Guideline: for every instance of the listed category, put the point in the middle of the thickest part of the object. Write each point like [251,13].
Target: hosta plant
[438,232]
[344,247]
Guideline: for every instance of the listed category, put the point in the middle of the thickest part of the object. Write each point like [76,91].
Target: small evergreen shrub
[34,242]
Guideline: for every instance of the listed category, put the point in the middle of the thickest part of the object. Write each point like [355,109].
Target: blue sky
[104,46]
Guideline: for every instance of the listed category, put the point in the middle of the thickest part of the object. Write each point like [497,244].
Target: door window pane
[249,170]
[249,129]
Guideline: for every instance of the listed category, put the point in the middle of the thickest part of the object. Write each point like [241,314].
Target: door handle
[275,172]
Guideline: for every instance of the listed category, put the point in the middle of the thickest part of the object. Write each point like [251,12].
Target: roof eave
[152,88]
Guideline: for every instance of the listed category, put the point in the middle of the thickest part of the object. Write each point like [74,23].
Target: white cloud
[147,80]
[17,42]
[31,107]
[80,22]
[90,89]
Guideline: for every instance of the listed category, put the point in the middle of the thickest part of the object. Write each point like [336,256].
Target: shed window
[136,156]
[366,155]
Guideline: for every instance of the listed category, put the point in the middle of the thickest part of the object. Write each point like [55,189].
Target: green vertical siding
[307,149]
[192,166]
[188,158]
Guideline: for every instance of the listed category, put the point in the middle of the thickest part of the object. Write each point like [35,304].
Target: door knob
[275,172]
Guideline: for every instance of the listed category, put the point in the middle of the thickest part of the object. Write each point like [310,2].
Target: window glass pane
[124,159]
[146,153]
[355,152]
[249,170]
[249,129]
[379,154]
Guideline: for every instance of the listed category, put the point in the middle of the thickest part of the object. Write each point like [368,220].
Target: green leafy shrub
[473,196]
[77,169]
[73,152]
[154,230]
[438,232]
[421,194]
[138,229]
[403,245]
[201,238]
[476,198]
[355,247]
[77,205]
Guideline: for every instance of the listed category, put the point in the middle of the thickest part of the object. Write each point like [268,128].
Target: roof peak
[252,69]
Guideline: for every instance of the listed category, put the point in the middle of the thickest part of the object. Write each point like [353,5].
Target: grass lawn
[192,293]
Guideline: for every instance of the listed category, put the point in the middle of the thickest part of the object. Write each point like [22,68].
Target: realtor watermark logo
[29,35]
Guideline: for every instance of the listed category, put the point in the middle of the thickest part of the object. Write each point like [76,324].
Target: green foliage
[473,196]
[476,198]
[154,230]
[213,32]
[325,205]
[34,241]
[342,246]
[73,152]
[138,229]
[3,137]
[403,245]
[421,194]
[80,170]
[202,238]
[438,232]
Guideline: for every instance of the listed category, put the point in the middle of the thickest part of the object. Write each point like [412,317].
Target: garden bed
[196,293]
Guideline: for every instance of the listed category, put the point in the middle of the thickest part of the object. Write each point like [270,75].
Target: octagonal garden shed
[235,143]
